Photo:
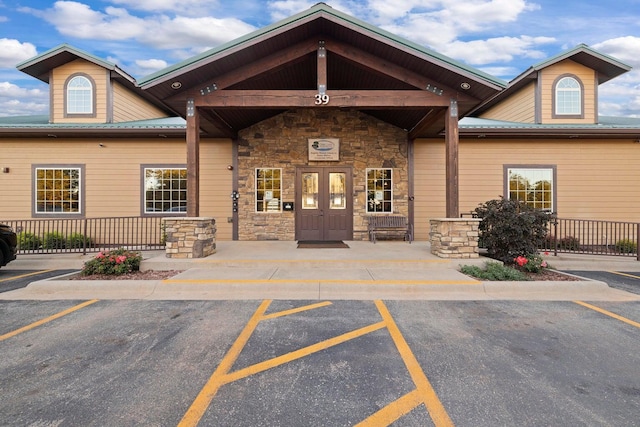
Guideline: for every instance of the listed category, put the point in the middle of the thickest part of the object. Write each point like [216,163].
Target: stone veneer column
[190,237]
[454,237]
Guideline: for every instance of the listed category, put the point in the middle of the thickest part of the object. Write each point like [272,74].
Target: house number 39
[322,99]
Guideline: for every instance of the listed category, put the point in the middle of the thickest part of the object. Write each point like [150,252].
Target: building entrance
[324,203]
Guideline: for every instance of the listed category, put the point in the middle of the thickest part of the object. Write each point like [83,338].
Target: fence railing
[84,235]
[594,237]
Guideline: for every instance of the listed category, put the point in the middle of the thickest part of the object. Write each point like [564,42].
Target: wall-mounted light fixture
[5,170]
[101,145]
[230,167]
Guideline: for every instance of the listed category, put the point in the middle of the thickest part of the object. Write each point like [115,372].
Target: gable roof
[606,68]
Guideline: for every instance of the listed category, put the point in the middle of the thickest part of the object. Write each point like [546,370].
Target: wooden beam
[209,115]
[322,67]
[451,158]
[432,116]
[193,159]
[307,98]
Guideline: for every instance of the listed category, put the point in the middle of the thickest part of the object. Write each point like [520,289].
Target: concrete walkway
[279,270]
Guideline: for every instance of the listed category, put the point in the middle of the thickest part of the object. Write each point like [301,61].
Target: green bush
[626,246]
[530,263]
[494,271]
[53,240]
[116,262]
[511,228]
[28,241]
[77,240]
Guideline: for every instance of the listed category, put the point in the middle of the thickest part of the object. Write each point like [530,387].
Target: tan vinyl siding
[519,107]
[113,178]
[100,77]
[595,179]
[127,106]
[588,79]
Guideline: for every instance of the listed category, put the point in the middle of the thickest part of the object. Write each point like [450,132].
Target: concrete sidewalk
[279,270]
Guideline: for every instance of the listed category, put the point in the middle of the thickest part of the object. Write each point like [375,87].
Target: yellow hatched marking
[608,313]
[393,411]
[362,282]
[296,310]
[25,275]
[202,401]
[298,354]
[47,319]
[427,393]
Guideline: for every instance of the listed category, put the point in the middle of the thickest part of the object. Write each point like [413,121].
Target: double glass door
[324,203]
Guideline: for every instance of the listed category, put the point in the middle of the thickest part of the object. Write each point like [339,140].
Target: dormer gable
[560,90]
[87,89]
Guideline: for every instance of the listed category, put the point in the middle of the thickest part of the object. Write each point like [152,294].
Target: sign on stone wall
[324,149]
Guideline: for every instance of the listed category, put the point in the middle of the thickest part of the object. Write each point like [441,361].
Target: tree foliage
[511,228]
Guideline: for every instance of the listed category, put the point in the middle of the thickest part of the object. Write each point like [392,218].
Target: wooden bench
[385,223]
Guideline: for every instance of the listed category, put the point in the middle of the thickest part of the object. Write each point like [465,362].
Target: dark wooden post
[193,159]
[451,153]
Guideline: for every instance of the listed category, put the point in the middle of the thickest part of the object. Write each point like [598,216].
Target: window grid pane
[568,96]
[268,190]
[57,190]
[79,96]
[165,190]
[379,190]
[532,186]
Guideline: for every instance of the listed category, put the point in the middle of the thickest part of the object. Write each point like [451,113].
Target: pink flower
[521,260]
[546,253]
[100,255]
[543,264]
[120,259]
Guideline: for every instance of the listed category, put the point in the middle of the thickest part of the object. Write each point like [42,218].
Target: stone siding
[282,141]
[455,238]
[190,237]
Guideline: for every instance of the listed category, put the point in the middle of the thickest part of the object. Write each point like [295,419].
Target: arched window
[79,95]
[568,97]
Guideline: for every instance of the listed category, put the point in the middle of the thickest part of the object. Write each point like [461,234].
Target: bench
[385,223]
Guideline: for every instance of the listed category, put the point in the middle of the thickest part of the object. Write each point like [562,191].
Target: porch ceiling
[284,57]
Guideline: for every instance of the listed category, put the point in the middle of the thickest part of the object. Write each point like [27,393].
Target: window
[165,190]
[268,190]
[568,97]
[58,190]
[79,95]
[533,185]
[379,190]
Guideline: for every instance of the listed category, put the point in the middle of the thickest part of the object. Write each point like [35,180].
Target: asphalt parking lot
[319,363]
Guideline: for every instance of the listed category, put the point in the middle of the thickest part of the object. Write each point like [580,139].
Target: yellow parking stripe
[624,274]
[353,281]
[47,319]
[298,354]
[25,275]
[393,411]
[608,313]
[202,401]
[428,395]
[296,310]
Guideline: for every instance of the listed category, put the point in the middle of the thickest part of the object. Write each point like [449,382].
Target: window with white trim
[379,190]
[568,95]
[532,185]
[268,190]
[165,190]
[79,95]
[58,190]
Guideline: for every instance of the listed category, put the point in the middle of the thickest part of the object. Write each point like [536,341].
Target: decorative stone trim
[189,237]
[454,237]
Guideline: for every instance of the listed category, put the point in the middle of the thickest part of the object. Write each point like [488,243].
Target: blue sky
[500,37]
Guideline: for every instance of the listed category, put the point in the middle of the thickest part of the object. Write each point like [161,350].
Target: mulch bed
[136,275]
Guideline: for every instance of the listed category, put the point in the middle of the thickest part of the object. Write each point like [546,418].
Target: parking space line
[393,411]
[608,313]
[624,274]
[428,395]
[296,310]
[25,275]
[46,319]
[202,401]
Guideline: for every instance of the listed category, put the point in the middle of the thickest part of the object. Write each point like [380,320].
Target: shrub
[116,262]
[511,228]
[77,240]
[494,271]
[53,240]
[28,241]
[626,246]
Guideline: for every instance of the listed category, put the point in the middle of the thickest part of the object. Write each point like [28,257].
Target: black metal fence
[594,237]
[83,235]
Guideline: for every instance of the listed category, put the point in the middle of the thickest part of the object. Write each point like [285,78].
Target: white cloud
[13,52]
[500,49]
[626,49]
[20,101]
[148,66]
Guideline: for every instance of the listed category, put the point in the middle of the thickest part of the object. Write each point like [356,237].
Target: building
[305,128]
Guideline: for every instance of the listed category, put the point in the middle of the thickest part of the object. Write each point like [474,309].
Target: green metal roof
[319,9]
[605,122]
[42,122]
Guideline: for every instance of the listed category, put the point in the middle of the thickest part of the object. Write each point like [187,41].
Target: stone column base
[189,237]
[454,237]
